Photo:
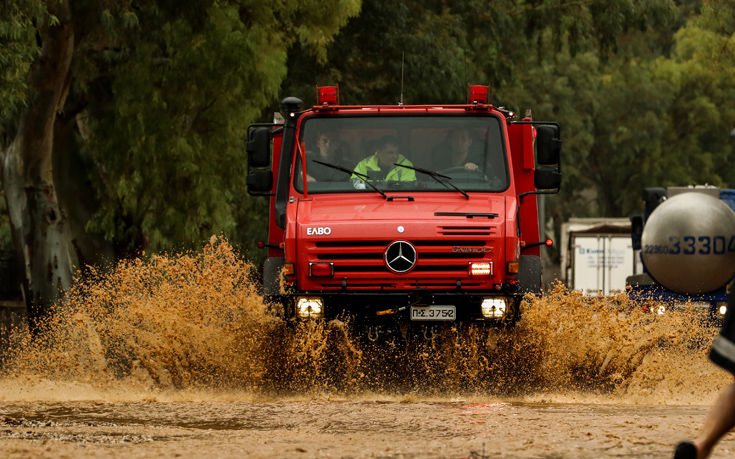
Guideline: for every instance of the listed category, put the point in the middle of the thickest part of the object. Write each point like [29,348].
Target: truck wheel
[272,276]
[529,274]
[638,279]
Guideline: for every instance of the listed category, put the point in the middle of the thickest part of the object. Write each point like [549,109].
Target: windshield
[403,153]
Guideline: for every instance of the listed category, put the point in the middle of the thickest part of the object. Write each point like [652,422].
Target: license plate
[434,312]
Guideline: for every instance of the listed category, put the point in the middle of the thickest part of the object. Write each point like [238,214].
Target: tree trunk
[40,232]
[71,180]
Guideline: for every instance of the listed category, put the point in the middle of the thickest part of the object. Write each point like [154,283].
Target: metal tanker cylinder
[688,243]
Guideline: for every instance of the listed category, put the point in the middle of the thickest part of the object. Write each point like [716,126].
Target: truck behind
[686,238]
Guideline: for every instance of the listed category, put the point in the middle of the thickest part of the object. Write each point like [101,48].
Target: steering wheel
[454,170]
[459,171]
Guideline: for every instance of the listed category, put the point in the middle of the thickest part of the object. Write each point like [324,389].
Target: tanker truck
[686,239]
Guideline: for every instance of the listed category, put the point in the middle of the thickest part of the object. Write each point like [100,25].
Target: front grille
[457,230]
[440,262]
[383,244]
[365,285]
[381,268]
[379,256]
[448,242]
[350,256]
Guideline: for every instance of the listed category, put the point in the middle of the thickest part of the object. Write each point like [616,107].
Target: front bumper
[392,307]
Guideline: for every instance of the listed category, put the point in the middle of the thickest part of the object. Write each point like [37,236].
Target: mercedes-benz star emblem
[400,256]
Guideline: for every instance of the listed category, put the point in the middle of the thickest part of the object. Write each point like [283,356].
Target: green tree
[704,113]
[151,100]
[585,64]
[398,49]
[661,113]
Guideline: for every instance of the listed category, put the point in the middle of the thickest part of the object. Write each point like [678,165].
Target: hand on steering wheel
[454,169]
[462,171]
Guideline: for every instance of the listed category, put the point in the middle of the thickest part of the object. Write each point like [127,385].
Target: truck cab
[403,213]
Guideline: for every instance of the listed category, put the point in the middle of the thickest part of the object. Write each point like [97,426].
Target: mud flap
[529,274]
[272,277]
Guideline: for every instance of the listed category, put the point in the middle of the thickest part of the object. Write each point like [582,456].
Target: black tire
[639,279]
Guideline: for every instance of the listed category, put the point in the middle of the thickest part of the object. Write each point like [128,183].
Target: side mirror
[259,147]
[652,197]
[548,144]
[636,231]
[547,179]
[260,181]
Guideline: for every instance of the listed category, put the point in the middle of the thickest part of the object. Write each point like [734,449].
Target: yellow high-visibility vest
[395,173]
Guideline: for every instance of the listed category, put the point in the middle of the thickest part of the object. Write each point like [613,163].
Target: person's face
[388,154]
[324,144]
[461,141]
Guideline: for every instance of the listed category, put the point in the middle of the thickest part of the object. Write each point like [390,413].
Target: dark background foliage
[160,95]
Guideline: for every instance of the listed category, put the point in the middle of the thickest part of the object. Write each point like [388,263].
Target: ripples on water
[194,323]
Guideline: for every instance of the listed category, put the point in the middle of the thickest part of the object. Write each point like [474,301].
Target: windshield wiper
[362,176]
[441,178]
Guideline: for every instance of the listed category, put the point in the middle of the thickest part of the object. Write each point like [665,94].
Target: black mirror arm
[520,196]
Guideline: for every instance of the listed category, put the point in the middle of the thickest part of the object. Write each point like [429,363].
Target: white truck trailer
[597,255]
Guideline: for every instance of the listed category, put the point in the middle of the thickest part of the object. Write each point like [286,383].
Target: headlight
[722,308]
[494,308]
[310,306]
[481,268]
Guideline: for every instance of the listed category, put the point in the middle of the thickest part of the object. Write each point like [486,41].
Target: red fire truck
[403,213]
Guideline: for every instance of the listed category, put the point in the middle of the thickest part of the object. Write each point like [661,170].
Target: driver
[326,149]
[456,151]
[380,165]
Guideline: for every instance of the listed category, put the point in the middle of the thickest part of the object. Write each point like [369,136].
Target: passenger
[457,150]
[326,149]
[721,418]
[380,165]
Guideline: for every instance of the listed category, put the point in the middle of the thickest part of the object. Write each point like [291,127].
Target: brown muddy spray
[195,322]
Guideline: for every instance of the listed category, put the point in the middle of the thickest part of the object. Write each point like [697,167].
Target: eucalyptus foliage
[18,49]
[161,93]
[168,141]
[641,88]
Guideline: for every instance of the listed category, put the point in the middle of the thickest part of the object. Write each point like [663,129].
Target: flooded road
[323,427]
[179,357]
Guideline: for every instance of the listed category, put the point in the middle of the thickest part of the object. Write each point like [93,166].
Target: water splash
[194,322]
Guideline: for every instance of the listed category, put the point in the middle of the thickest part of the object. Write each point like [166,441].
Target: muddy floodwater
[346,427]
[178,357]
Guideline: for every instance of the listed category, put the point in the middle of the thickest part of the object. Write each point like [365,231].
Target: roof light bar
[477,94]
[327,95]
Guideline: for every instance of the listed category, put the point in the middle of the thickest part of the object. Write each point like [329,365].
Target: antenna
[464,58]
[403,53]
